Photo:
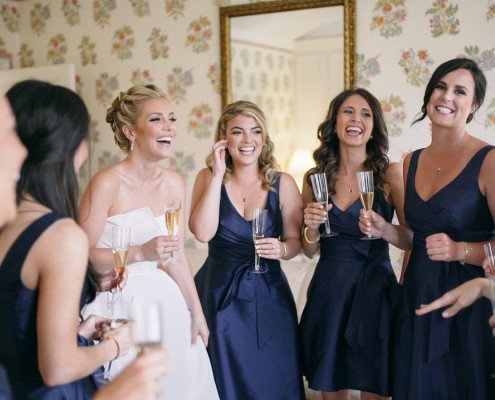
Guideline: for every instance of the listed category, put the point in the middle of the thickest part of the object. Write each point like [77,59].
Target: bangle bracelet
[306,236]
[467,252]
[117,343]
[285,249]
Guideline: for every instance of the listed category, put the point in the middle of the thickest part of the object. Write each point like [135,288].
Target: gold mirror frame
[266,7]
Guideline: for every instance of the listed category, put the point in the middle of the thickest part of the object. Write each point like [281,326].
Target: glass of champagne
[320,190]
[121,237]
[258,224]
[172,220]
[147,325]
[490,255]
[366,193]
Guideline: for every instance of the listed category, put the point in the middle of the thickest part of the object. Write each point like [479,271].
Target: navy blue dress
[347,323]
[18,310]
[253,345]
[440,358]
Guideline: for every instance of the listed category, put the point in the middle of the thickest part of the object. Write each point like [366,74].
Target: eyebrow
[456,86]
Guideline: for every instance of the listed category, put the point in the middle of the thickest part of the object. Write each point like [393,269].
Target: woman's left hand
[440,247]
[92,327]
[199,328]
[271,248]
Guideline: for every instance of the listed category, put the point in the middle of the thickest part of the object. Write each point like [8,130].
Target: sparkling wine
[143,347]
[118,322]
[257,236]
[172,218]
[367,200]
[120,258]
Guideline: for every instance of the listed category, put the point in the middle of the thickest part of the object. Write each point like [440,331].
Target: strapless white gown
[189,375]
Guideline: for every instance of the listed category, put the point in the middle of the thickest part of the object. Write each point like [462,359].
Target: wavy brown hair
[127,107]
[267,164]
[327,155]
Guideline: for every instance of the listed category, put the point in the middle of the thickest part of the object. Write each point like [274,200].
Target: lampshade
[299,163]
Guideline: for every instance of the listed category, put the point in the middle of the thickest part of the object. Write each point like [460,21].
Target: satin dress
[253,346]
[347,322]
[18,337]
[440,358]
[189,375]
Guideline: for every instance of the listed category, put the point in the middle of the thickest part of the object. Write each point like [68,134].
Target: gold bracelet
[306,236]
[467,252]
[285,249]
[117,343]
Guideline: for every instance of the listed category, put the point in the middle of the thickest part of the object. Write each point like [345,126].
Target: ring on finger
[273,247]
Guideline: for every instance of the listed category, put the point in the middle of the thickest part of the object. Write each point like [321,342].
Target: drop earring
[132,144]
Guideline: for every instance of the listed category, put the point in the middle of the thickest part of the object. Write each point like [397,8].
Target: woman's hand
[92,327]
[159,248]
[199,328]
[218,152]
[371,222]
[440,247]
[315,215]
[122,336]
[271,248]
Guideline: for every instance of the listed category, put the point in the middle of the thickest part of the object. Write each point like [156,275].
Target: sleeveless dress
[253,345]
[189,374]
[438,358]
[347,322]
[18,310]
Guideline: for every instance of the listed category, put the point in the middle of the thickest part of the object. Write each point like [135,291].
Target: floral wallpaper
[175,44]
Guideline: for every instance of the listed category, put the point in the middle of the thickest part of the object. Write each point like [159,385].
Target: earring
[371,137]
[132,144]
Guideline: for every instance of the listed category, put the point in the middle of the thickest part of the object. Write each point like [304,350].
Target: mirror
[290,57]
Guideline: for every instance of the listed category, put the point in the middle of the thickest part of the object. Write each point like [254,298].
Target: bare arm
[59,259]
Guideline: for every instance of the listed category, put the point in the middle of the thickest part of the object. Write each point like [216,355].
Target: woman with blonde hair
[253,348]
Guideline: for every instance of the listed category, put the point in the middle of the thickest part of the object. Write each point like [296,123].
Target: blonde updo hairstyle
[126,109]
[267,164]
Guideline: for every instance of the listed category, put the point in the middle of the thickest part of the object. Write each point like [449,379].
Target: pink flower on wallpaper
[107,159]
[175,8]
[79,88]
[201,121]
[263,80]
[490,114]
[366,69]
[57,48]
[87,52]
[141,77]
[70,8]
[102,11]
[25,56]
[237,77]
[177,82]
[105,86]
[485,59]
[444,18]
[158,46]
[141,7]
[199,34]
[10,16]
[214,76]
[490,14]
[123,42]
[182,163]
[388,17]
[39,15]
[416,66]
[394,113]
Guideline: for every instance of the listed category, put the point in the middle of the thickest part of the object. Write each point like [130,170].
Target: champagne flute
[147,326]
[320,190]
[121,237]
[172,220]
[490,255]
[366,193]
[258,225]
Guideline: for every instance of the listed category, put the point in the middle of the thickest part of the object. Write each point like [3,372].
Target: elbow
[201,237]
[55,376]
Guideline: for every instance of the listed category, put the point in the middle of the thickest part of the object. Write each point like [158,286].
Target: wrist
[308,238]
[284,250]
[467,253]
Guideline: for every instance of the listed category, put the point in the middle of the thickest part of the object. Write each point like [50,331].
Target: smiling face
[354,121]
[452,99]
[245,139]
[155,129]
[12,154]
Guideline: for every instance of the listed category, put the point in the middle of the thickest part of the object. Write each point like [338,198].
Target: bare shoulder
[172,178]
[394,171]
[106,180]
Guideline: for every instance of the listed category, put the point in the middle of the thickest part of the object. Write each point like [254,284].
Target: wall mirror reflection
[291,58]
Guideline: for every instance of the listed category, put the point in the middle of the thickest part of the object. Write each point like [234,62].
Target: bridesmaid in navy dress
[346,325]
[450,208]
[253,345]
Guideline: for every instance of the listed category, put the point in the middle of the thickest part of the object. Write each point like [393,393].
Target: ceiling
[282,29]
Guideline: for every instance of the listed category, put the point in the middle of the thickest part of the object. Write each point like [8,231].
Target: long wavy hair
[447,67]
[267,164]
[327,155]
[52,121]
[126,109]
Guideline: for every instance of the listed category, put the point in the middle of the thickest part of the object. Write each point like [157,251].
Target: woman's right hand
[218,152]
[315,215]
[122,336]
[371,222]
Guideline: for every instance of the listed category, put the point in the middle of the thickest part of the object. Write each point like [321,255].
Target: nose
[356,118]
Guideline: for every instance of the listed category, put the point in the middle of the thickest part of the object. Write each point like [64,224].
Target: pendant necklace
[437,171]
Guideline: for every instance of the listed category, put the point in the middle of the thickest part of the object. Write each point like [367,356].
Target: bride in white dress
[134,192]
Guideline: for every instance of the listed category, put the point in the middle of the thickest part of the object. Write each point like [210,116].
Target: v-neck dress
[440,358]
[347,322]
[253,345]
